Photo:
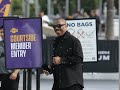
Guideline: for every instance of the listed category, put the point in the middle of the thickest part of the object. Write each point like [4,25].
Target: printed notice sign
[85,31]
[23,43]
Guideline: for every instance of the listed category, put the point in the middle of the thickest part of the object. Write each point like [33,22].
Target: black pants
[7,83]
[73,87]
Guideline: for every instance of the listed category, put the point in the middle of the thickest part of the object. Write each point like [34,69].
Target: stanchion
[38,79]
[29,79]
[24,79]
[119,44]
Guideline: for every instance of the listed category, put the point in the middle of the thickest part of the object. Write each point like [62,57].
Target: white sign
[85,31]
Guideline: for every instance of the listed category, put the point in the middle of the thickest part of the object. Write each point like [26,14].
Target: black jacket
[69,72]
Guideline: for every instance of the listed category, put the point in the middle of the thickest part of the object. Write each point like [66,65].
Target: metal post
[37,9]
[27,8]
[49,7]
[52,9]
[100,8]
[100,14]
[38,79]
[67,8]
[78,5]
[23,8]
[119,43]
[24,79]
[29,79]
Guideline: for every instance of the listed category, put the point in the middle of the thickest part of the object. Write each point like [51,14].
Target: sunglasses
[58,26]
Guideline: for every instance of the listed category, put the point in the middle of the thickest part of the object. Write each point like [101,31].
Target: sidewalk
[92,81]
[92,76]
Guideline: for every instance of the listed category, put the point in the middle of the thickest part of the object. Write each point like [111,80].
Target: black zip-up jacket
[69,72]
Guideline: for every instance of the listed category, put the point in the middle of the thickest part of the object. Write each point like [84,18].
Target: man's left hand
[57,60]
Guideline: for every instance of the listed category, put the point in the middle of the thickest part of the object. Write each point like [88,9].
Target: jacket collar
[65,36]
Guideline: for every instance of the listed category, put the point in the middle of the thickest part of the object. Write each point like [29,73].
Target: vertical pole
[27,8]
[100,14]
[23,7]
[119,43]
[78,5]
[100,8]
[49,7]
[52,9]
[29,79]
[67,8]
[24,79]
[36,7]
[38,79]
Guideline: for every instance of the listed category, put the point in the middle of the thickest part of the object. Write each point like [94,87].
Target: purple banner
[4,7]
[23,43]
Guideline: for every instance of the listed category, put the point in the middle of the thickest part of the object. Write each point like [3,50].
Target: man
[45,18]
[94,15]
[9,79]
[67,59]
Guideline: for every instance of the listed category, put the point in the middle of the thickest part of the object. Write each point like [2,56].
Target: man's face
[41,14]
[60,27]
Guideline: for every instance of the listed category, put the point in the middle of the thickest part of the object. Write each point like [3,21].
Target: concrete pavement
[92,81]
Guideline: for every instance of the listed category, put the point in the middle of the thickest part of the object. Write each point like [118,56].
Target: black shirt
[69,72]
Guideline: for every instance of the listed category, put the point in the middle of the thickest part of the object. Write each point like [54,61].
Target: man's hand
[13,76]
[57,60]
